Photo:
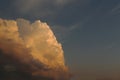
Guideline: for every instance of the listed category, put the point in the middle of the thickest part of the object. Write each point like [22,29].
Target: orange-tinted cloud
[31,48]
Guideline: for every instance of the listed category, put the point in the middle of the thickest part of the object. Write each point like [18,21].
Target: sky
[88,30]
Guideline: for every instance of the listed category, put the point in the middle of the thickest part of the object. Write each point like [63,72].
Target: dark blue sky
[88,29]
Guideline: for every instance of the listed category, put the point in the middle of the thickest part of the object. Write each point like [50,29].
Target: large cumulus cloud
[31,48]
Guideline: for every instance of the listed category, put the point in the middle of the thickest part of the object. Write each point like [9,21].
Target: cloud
[63,32]
[115,10]
[39,7]
[32,48]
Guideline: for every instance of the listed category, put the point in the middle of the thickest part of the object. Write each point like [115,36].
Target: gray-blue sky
[88,29]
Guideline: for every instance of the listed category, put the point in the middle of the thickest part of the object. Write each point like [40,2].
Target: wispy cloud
[63,32]
[115,10]
[39,7]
